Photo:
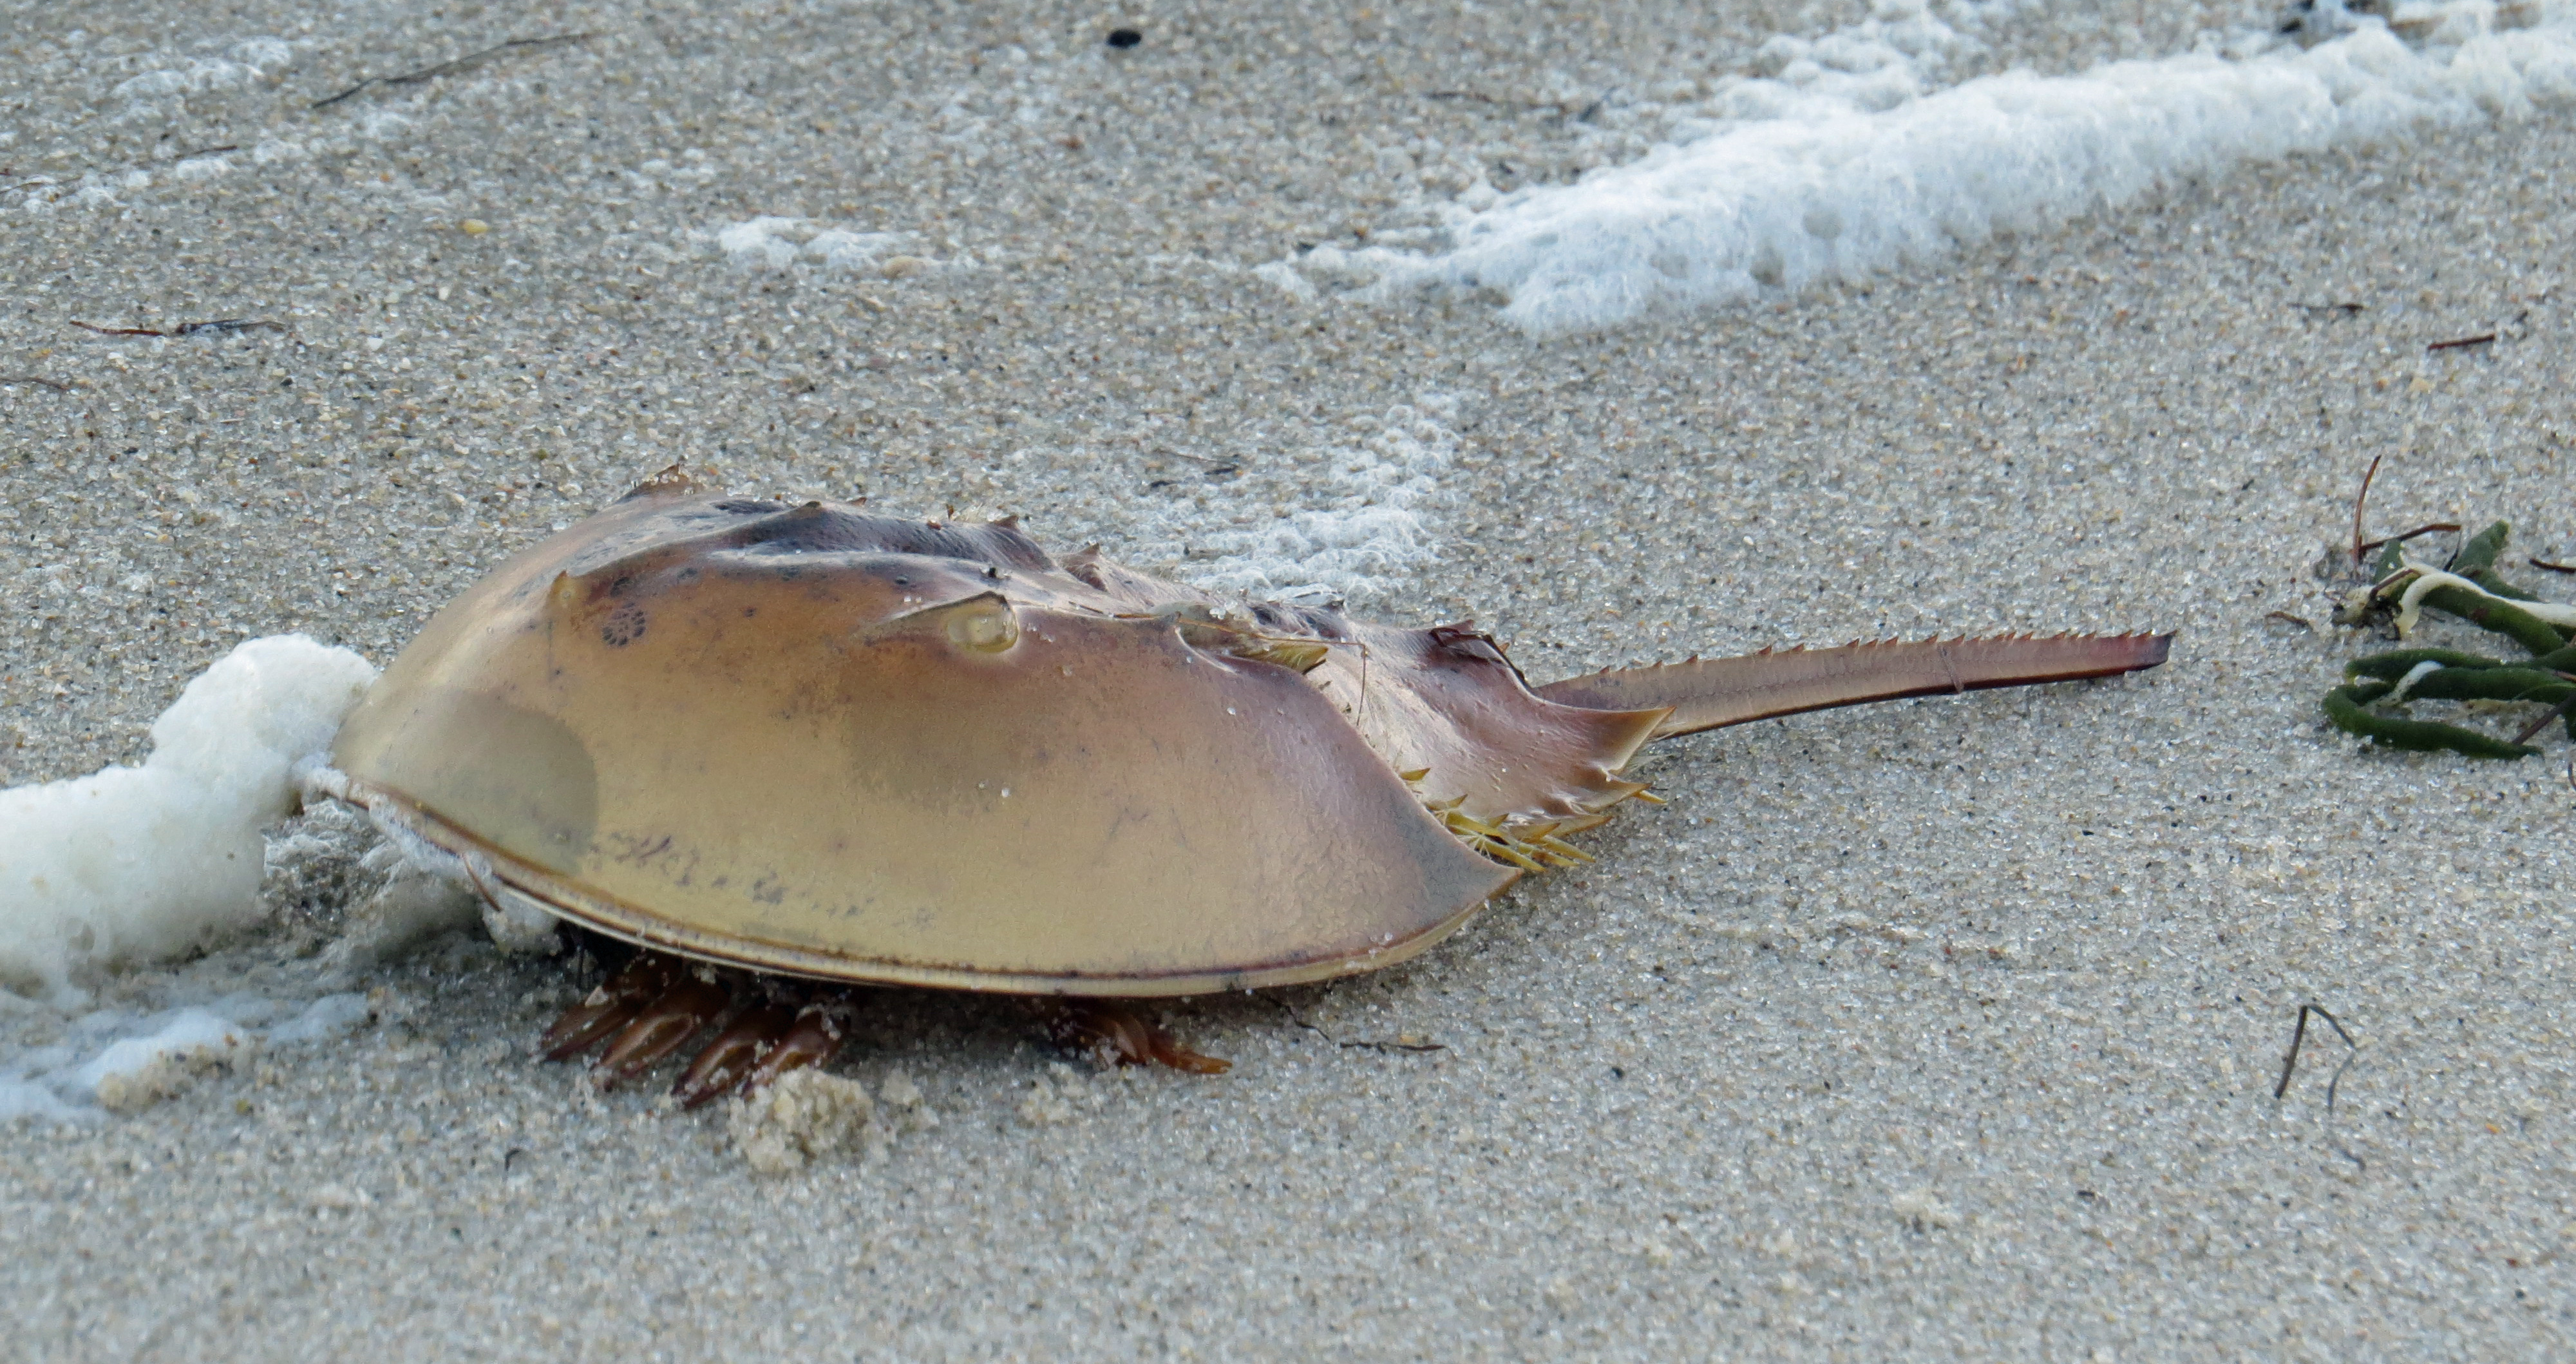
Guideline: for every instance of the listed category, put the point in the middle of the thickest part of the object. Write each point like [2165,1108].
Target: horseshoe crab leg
[812,1039]
[664,1025]
[1117,1034]
[1714,692]
[657,1002]
[610,1007]
[730,1059]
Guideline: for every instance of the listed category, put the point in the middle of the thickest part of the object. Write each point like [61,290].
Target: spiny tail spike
[1708,693]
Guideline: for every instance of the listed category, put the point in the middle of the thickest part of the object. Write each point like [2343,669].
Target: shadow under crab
[812,742]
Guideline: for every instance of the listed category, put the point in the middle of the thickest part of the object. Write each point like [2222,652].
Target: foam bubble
[135,1072]
[1369,532]
[773,243]
[263,52]
[112,1061]
[134,863]
[246,62]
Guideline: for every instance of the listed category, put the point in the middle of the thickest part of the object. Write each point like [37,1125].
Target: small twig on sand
[2298,1037]
[221,324]
[1480,97]
[228,324]
[2361,501]
[2428,528]
[2543,722]
[205,151]
[465,63]
[2554,568]
[2299,621]
[54,384]
[1216,468]
[2290,1065]
[2347,309]
[2463,342]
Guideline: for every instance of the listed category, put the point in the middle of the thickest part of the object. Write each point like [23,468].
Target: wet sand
[1942,1028]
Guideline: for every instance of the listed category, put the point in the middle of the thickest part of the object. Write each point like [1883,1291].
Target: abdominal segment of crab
[656,1004]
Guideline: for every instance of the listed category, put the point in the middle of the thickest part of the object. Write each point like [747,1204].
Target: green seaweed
[2504,618]
[2347,707]
[2492,684]
[2456,675]
[2392,557]
[2478,553]
[2396,663]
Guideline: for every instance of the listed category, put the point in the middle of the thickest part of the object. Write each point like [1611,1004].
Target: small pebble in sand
[474,227]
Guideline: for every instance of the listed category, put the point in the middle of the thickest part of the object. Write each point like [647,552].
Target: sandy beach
[1936,1029]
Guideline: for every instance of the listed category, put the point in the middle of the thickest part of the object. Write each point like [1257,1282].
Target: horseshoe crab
[808,743]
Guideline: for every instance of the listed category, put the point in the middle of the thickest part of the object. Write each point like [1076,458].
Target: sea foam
[1842,165]
[114,1061]
[134,863]
[1366,526]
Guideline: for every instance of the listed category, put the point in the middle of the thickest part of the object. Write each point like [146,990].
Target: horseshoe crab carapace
[814,742]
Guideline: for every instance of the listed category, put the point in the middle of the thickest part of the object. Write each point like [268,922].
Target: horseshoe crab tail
[1709,693]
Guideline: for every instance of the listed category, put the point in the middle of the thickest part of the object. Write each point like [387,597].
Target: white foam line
[111,1061]
[1826,187]
[1370,526]
[250,60]
[768,242]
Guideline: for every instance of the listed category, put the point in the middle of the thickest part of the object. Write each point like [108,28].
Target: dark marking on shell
[624,626]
